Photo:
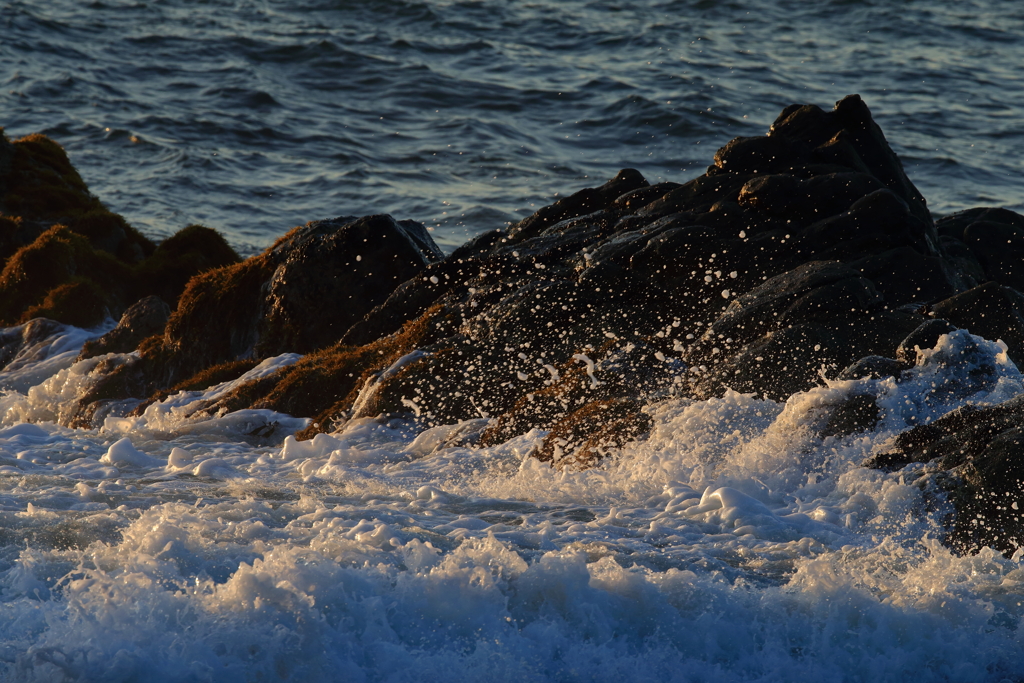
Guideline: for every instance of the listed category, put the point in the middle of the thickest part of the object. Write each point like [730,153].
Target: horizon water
[732,544]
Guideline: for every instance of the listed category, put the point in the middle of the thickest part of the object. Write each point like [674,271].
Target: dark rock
[875,223]
[144,318]
[904,275]
[632,266]
[858,413]
[990,311]
[999,249]
[578,204]
[849,136]
[980,449]
[924,337]
[874,367]
[955,224]
[331,273]
[272,303]
[755,155]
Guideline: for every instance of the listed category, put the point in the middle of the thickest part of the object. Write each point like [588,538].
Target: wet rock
[955,224]
[296,295]
[588,434]
[926,336]
[999,249]
[331,273]
[991,311]
[799,253]
[61,276]
[580,203]
[142,319]
[858,413]
[904,275]
[979,452]
[690,288]
[848,136]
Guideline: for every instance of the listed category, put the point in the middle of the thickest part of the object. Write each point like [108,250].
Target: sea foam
[734,543]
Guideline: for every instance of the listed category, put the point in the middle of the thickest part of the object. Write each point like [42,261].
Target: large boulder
[332,273]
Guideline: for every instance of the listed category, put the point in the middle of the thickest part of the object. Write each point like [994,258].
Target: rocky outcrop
[67,257]
[802,253]
[297,296]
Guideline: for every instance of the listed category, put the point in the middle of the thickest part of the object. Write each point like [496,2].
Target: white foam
[732,544]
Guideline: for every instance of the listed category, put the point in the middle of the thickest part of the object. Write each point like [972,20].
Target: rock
[999,249]
[904,275]
[175,261]
[61,276]
[331,273]
[68,257]
[581,203]
[848,136]
[142,319]
[635,278]
[858,413]
[586,435]
[991,311]
[955,224]
[977,452]
[926,336]
[295,295]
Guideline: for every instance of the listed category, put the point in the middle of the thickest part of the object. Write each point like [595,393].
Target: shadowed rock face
[801,252]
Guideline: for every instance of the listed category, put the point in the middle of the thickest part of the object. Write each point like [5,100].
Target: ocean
[732,544]
[252,117]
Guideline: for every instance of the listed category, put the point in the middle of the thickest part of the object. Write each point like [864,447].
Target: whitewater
[732,544]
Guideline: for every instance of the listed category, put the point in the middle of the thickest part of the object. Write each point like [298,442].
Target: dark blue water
[252,116]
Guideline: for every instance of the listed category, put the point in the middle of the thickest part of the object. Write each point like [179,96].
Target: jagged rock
[618,273]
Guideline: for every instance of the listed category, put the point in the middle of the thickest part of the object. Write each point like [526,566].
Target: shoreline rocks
[804,252]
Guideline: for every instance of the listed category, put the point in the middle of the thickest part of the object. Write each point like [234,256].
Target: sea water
[731,544]
[253,116]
